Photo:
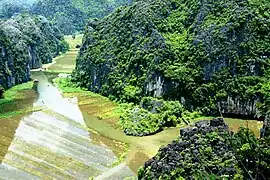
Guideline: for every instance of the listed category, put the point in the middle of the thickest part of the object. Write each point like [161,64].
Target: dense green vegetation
[8,8]
[15,100]
[212,56]
[70,16]
[210,151]
[152,115]
[26,42]
[13,93]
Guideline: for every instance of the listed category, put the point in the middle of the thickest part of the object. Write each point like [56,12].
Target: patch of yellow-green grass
[18,112]
[121,158]
[14,92]
[74,42]
[65,63]
[66,86]
[70,89]
[17,100]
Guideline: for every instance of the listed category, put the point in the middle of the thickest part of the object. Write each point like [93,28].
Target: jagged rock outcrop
[26,42]
[189,155]
[210,55]
[209,150]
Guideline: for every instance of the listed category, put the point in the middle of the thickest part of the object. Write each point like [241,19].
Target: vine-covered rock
[26,42]
[209,150]
[209,55]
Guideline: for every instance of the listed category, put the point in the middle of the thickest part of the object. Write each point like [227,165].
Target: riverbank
[18,100]
[66,62]
[102,115]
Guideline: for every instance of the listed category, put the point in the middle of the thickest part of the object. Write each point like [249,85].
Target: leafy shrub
[151,116]
[140,122]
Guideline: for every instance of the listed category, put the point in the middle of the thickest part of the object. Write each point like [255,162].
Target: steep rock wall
[211,55]
[26,42]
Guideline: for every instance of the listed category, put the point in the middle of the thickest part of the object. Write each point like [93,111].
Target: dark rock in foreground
[198,151]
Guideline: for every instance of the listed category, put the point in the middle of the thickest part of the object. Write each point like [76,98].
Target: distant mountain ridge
[69,15]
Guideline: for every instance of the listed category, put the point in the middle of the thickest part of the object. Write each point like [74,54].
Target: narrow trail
[55,143]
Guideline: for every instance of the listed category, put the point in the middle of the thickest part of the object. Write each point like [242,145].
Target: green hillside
[211,56]
[72,15]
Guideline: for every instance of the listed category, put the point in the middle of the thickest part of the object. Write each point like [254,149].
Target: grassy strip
[66,86]
[13,93]
[16,101]
[69,89]
[18,112]
[74,42]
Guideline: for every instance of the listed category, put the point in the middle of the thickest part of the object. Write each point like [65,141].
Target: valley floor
[93,127]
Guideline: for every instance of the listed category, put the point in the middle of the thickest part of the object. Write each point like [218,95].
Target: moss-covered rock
[209,55]
[26,42]
[209,150]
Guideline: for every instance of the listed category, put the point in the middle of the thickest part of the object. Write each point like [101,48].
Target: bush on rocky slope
[210,150]
[152,115]
[212,56]
[26,42]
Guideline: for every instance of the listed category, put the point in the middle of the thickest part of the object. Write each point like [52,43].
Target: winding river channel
[64,139]
[59,141]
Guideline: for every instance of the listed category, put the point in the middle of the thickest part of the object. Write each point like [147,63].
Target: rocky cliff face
[26,42]
[210,55]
